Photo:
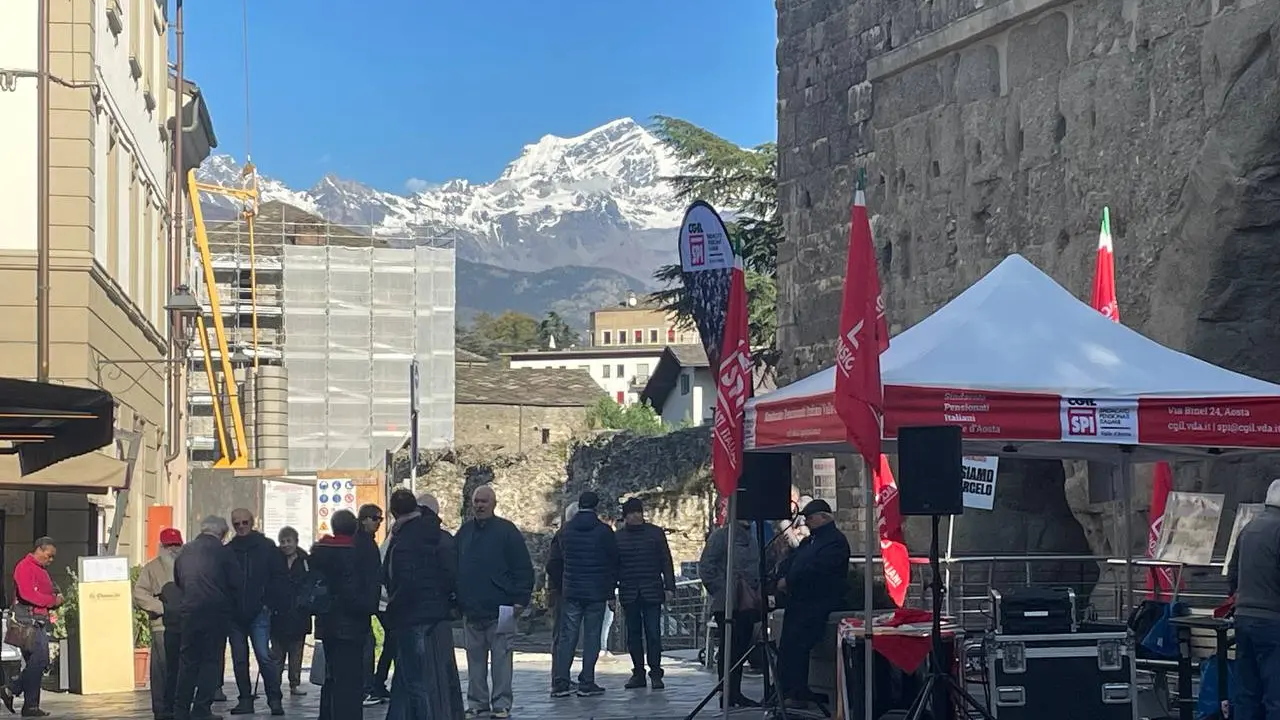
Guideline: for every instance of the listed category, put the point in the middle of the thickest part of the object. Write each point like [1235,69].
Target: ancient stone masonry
[989,127]
[670,472]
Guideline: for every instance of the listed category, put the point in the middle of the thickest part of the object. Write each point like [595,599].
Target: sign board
[104,627]
[1245,512]
[331,496]
[1190,528]
[980,481]
[824,481]
[288,504]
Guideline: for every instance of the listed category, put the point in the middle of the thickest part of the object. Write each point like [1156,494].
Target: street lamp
[183,309]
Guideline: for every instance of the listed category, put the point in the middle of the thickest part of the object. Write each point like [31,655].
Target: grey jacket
[151,580]
[746,562]
[1254,569]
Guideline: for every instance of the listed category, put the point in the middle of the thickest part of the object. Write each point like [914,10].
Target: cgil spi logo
[1082,417]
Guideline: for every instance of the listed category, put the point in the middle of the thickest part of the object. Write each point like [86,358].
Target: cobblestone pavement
[687,683]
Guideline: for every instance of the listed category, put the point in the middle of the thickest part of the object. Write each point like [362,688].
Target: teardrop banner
[706,262]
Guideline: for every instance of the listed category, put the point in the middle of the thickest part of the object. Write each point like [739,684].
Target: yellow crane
[233,451]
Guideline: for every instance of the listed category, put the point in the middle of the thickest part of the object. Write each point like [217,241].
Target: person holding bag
[35,595]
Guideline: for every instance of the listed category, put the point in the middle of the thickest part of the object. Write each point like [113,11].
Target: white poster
[286,504]
[704,243]
[1092,420]
[332,496]
[980,481]
[1244,513]
[824,480]
[1189,528]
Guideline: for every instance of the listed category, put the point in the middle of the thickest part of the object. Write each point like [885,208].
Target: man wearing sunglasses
[264,579]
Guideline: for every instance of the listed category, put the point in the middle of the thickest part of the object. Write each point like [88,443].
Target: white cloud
[416,185]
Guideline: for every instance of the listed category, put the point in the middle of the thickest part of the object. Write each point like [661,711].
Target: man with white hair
[494,572]
[207,575]
[1253,573]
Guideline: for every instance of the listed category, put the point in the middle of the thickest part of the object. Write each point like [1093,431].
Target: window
[606,338]
[671,335]
[622,371]
[653,336]
[546,436]
[684,384]
[622,337]
[639,336]
[607,370]
[642,370]
[585,367]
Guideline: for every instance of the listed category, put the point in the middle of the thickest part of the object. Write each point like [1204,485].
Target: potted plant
[141,638]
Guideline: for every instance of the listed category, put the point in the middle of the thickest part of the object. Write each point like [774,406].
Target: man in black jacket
[588,567]
[646,579]
[420,573]
[814,579]
[495,575]
[348,565]
[207,579]
[264,577]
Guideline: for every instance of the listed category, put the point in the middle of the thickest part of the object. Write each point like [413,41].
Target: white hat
[429,501]
[1273,494]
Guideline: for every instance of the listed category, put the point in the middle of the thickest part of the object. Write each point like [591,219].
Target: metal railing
[1098,581]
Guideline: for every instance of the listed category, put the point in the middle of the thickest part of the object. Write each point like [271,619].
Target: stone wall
[670,472]
[517,428]
[988,128]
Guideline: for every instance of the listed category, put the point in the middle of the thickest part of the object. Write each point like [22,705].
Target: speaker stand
[940,682]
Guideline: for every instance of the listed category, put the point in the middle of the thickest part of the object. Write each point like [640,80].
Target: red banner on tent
[733,388]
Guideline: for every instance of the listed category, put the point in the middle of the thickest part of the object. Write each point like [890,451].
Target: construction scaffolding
[343,311]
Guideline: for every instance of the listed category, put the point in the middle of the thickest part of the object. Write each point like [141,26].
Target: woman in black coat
[290,626]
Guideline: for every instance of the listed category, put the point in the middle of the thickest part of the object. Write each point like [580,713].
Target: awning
[45,423]
[92,472]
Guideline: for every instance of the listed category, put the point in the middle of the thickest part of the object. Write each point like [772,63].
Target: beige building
[521,411]
[108,101]
[635,323]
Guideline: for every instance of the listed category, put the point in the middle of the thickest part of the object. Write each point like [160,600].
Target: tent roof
[1018,331]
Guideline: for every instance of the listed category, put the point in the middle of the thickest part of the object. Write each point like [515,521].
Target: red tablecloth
[905,651]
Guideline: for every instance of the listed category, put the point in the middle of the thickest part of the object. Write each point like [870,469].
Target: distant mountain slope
[571,291]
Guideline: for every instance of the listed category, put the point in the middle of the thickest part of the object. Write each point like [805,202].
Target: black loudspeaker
[764,490]
[930,470]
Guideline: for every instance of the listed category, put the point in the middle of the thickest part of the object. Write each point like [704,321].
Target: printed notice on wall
[1190,528]
[286,504]
[332,496]
[824,480]
[980,481]
[1245,512]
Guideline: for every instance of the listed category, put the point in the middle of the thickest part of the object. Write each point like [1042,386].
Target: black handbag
[22,628]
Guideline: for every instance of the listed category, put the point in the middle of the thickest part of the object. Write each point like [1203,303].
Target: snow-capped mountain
[595,200]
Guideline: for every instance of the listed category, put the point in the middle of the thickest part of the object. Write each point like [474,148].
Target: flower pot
[141,667]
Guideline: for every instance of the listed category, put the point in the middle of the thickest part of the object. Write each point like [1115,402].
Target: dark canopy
[46,423]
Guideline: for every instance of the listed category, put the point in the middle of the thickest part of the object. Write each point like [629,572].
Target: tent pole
[951,537]
[1126,505]
[730,589]
[868,597]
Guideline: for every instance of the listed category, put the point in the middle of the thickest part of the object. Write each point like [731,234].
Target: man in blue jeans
[1254,577]
[587,562]
[264,577]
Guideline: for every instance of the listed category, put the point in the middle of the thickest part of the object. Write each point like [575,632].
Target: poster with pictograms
[333,495]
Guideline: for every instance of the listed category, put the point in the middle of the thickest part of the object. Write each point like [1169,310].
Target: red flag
[864,334]
[733,387]
[897,562]
[1105,302]
[1104,276]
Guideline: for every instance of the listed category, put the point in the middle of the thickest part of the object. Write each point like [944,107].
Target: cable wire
[248,117]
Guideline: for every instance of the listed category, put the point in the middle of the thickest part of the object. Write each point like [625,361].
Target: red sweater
[33,585]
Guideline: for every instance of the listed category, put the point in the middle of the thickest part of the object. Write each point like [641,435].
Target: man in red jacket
[35,595]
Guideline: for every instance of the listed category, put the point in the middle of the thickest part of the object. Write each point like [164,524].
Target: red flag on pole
[1105,302]
[864,334]
[897,561]
[733,387]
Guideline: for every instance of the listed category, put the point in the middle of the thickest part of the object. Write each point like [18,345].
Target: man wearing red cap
[156,595]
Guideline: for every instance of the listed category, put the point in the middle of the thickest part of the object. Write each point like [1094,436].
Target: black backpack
[314,597]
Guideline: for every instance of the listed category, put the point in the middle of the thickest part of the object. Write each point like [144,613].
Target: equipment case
[1072,676]
[1034,611]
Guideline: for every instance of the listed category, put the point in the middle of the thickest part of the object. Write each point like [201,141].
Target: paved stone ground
[687,683]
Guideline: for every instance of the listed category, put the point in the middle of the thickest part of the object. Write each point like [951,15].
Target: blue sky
[393,90]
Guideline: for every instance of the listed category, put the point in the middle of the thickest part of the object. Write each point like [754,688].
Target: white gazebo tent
[1029,371]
